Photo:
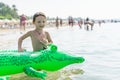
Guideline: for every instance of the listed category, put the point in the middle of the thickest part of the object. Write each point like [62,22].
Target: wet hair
[38,14]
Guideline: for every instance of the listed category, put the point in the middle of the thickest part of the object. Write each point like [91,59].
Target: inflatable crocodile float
[14,62]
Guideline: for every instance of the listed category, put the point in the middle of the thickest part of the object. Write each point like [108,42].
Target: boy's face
[40,22]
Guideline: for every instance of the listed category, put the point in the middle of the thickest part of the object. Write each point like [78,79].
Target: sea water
[100,47]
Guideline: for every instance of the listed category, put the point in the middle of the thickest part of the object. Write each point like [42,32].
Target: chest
[38,37]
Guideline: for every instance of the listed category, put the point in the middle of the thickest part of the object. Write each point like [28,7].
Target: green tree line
[8,12]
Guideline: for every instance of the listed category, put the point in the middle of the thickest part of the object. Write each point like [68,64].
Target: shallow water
[100,48]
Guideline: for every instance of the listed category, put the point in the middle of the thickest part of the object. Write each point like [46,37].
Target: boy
[40,38]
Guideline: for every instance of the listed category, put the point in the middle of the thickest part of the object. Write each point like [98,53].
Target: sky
[94,9]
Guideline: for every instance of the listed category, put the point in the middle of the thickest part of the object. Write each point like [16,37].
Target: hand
[43,39]
[21,50]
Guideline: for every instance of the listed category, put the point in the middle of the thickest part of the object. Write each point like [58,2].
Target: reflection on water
[99,47]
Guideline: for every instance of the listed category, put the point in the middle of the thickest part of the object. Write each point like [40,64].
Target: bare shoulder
[47,33]
[29,33]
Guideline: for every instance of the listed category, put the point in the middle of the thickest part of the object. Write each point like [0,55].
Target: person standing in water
[22,22]
[40,38]
[57,22]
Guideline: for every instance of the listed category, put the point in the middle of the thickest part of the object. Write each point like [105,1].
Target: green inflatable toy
[13,62]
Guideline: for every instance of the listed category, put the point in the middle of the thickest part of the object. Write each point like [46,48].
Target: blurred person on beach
[57,22]
[40,39]
[71,21]
[61,22]
[87,23]
[22,22]
[80,22]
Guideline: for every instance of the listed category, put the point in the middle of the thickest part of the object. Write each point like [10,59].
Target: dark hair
[38,14]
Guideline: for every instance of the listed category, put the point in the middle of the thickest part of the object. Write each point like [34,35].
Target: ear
[53,47]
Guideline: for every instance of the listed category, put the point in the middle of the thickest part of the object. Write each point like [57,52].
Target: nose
[41,23]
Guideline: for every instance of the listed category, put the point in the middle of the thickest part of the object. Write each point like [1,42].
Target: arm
[49,38]
[45,39]
[20,40]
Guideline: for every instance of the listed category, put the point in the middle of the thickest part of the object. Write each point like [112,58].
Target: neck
[39,31]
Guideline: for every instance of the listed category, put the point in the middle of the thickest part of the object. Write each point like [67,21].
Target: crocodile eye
[53,48]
